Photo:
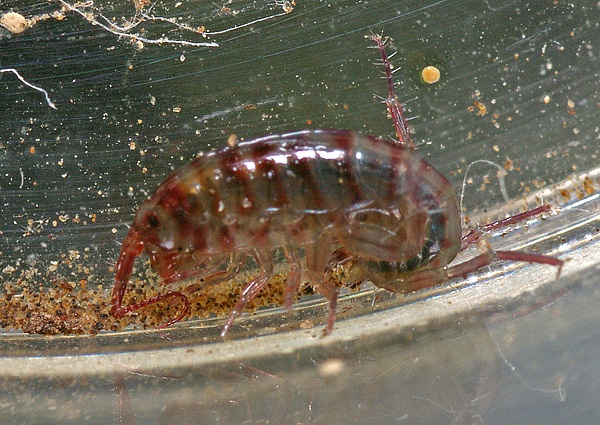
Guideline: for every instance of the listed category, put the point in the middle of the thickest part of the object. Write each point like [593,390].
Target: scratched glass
[518,87]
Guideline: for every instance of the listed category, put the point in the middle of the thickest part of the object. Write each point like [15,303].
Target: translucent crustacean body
[322,197]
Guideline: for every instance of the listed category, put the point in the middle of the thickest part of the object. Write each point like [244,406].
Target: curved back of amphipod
[376,198]
[309,191]
[320,196]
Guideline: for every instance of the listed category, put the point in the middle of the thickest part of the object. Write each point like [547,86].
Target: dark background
[71,178]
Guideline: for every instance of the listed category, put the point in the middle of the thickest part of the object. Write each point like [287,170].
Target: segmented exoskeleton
[322,197]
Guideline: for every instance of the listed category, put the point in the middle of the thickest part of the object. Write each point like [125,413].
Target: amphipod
[321,197]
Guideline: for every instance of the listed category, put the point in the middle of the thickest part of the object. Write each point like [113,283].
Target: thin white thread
[33,86]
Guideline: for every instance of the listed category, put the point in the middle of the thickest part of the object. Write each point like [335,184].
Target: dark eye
[151,220]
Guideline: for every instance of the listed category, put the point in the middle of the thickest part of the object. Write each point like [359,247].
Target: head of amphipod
[159,229]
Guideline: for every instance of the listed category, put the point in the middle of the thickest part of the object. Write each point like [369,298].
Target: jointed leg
[317,258]
[215,276]
[474,235]
[294,278]
[418,279]
[432,277]
[251,290]
[122,311]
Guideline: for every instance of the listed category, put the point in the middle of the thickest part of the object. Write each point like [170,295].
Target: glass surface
[519,87]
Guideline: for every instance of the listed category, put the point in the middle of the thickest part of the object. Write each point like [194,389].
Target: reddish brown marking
[347,171]
[406,232]
[233,169]
[200,241]
[176,201]
[269,170]
[303,168]
[342,141]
